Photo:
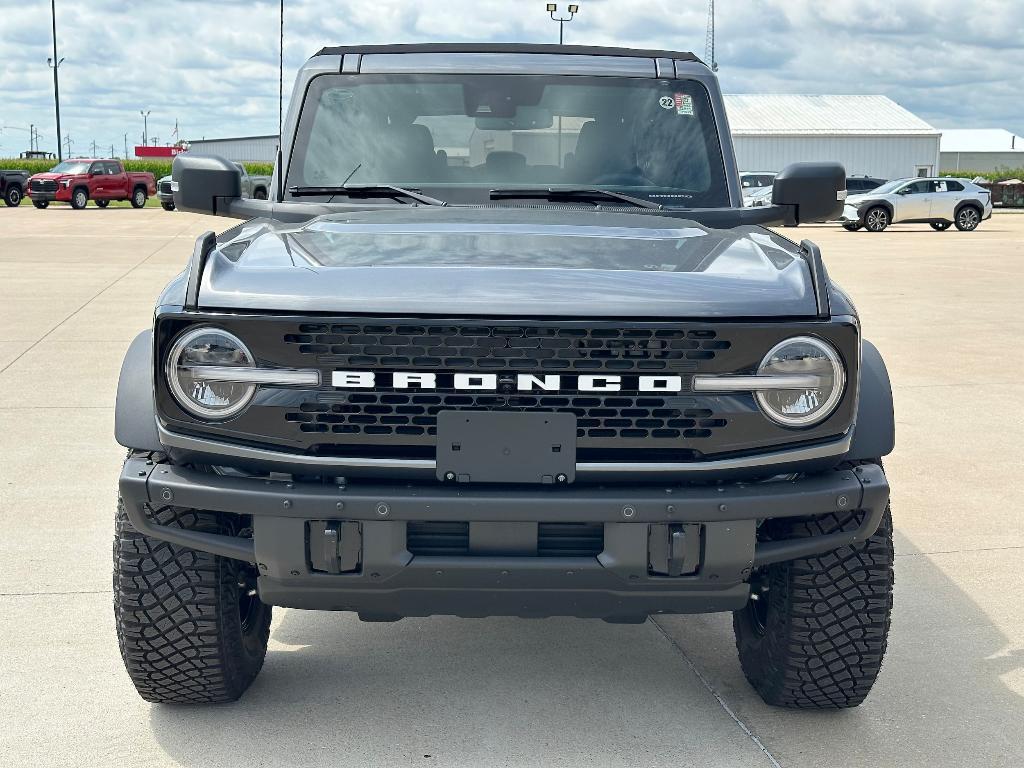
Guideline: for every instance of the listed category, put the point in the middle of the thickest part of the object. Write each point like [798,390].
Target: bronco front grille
[415,415]
[506,347]
[43,185]
[385,421]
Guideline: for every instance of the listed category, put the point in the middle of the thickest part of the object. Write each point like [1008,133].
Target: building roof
[235,138]
[791,114]
[980,140]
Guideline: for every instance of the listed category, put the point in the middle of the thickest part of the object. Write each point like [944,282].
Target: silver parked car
[939,202]
[253,186]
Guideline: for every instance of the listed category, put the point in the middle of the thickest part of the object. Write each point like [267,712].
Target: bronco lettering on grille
[495,382]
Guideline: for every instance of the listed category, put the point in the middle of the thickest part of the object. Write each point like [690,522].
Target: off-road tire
[167,206]
[102,203]
[12,198]
[79,198]
[138,198]
[877,219]
[968,218]
[185,635]
[40,204]
[816,637]
[940,226]
[852,227]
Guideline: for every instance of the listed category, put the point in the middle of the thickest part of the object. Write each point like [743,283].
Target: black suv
[504,342]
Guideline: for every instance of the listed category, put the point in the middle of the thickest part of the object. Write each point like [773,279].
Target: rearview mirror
[525,118]
[810,192]
[205,183]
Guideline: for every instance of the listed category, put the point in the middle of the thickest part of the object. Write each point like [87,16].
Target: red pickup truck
[79,181]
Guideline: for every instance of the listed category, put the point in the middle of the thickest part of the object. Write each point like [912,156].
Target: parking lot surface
[945,310]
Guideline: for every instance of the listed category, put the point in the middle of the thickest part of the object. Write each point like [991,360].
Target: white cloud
[213,65]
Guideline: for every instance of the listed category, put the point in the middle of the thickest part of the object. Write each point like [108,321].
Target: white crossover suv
[938,202]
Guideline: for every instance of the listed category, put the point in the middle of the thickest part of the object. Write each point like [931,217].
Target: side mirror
[810,192]
[205,183]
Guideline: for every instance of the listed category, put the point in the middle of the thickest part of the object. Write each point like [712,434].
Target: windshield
[70,166]
[460,136]
[890,186]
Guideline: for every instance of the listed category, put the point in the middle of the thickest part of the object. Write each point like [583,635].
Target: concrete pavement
[75,287]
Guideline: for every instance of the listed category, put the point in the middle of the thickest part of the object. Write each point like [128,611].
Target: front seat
[604,149]
[406,154]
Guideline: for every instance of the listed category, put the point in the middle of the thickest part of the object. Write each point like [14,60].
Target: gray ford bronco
[504,341]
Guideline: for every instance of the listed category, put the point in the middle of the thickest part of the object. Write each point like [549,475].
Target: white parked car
[759,198]
[752,181]
[939,202]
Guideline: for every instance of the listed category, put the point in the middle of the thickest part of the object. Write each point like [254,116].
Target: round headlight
[200,395]
[802,356]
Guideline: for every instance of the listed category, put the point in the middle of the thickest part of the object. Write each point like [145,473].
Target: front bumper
[714,526]
[851,215]
[61,195]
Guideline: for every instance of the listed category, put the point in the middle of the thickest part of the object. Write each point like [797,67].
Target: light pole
[54,64]
[573,10]
[145,126]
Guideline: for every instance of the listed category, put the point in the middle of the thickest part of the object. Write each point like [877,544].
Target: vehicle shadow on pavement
[565,691]
[461,691]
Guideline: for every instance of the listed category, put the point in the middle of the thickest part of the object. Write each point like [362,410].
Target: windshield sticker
[667,102]
[683,103]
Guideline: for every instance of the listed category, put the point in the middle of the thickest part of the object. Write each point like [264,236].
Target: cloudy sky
[212,66]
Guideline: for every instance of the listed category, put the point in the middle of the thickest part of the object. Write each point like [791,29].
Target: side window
[954,186]
[96,168]
[939,186]
[113,169]
[917,188]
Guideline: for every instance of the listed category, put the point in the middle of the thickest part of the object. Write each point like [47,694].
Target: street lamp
[573,10]
[54,64]
[145,126]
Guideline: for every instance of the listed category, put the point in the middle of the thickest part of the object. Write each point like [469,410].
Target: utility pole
[145,126]
[126,146]
[69,142]
[94,147]
[55,65]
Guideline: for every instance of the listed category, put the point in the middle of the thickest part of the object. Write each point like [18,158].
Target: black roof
[581,50]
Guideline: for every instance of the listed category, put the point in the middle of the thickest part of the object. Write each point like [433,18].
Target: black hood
[543,261]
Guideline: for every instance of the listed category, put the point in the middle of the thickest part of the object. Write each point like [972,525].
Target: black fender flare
[973,202]
[874,429]
[135,411]
[867,205]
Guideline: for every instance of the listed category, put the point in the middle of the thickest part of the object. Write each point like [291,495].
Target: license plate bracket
[500,447]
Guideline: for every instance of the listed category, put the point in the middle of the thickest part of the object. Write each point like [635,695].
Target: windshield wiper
[572,193]
[366,190]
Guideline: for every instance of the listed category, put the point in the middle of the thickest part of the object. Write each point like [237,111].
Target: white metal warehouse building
[243,149]
[981,149]
[869,135]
